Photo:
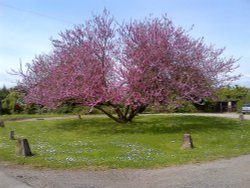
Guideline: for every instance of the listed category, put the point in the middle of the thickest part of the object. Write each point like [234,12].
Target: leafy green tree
[232,93]
[236,93]
[3,93]
[11,104]
[226,94]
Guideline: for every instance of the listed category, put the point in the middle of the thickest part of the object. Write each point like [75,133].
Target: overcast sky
[26,26]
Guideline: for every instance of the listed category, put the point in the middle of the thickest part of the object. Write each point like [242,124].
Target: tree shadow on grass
[151,125]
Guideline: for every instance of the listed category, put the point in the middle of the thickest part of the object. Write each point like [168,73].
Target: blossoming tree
[125,67]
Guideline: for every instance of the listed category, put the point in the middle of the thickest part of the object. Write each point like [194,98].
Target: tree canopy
[3,93]
[231,93]
[10,102]
[126,67]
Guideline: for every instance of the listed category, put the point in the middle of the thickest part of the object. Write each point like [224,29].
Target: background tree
[11,103]
[3,93]
[125,67]
[231,92]
[235,94]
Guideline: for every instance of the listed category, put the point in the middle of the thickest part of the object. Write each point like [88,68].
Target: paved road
[226,173]
[7,181]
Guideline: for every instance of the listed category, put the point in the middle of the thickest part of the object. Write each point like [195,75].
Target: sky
[26,26]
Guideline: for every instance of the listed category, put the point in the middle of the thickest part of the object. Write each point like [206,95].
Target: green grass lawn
[151,141]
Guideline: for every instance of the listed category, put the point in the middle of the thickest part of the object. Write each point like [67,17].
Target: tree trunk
[23,148]
[187,142]
[123,116]
[108,114]
[1,123]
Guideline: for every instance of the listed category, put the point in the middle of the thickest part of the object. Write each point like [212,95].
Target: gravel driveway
[226,115]
[226,173]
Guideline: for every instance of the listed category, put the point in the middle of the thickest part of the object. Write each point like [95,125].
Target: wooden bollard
[23,148]
[11,135]
[241,117]
[187,142]
[1,123]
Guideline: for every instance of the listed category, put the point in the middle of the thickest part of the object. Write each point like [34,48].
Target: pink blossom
[126,67]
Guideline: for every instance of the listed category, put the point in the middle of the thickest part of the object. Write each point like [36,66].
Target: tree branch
[134,112]
[108,114]
[126,110]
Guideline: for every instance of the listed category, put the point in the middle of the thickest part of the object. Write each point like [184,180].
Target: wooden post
[1,123]
[11,135]
[23,148]
[187,142]
[221,107]
[79,116]
[241,117]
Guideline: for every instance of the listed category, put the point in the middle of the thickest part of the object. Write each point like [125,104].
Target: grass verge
[149,142]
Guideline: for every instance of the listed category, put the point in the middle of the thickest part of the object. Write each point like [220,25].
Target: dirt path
[231,173]
[45,118]
[226,115]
